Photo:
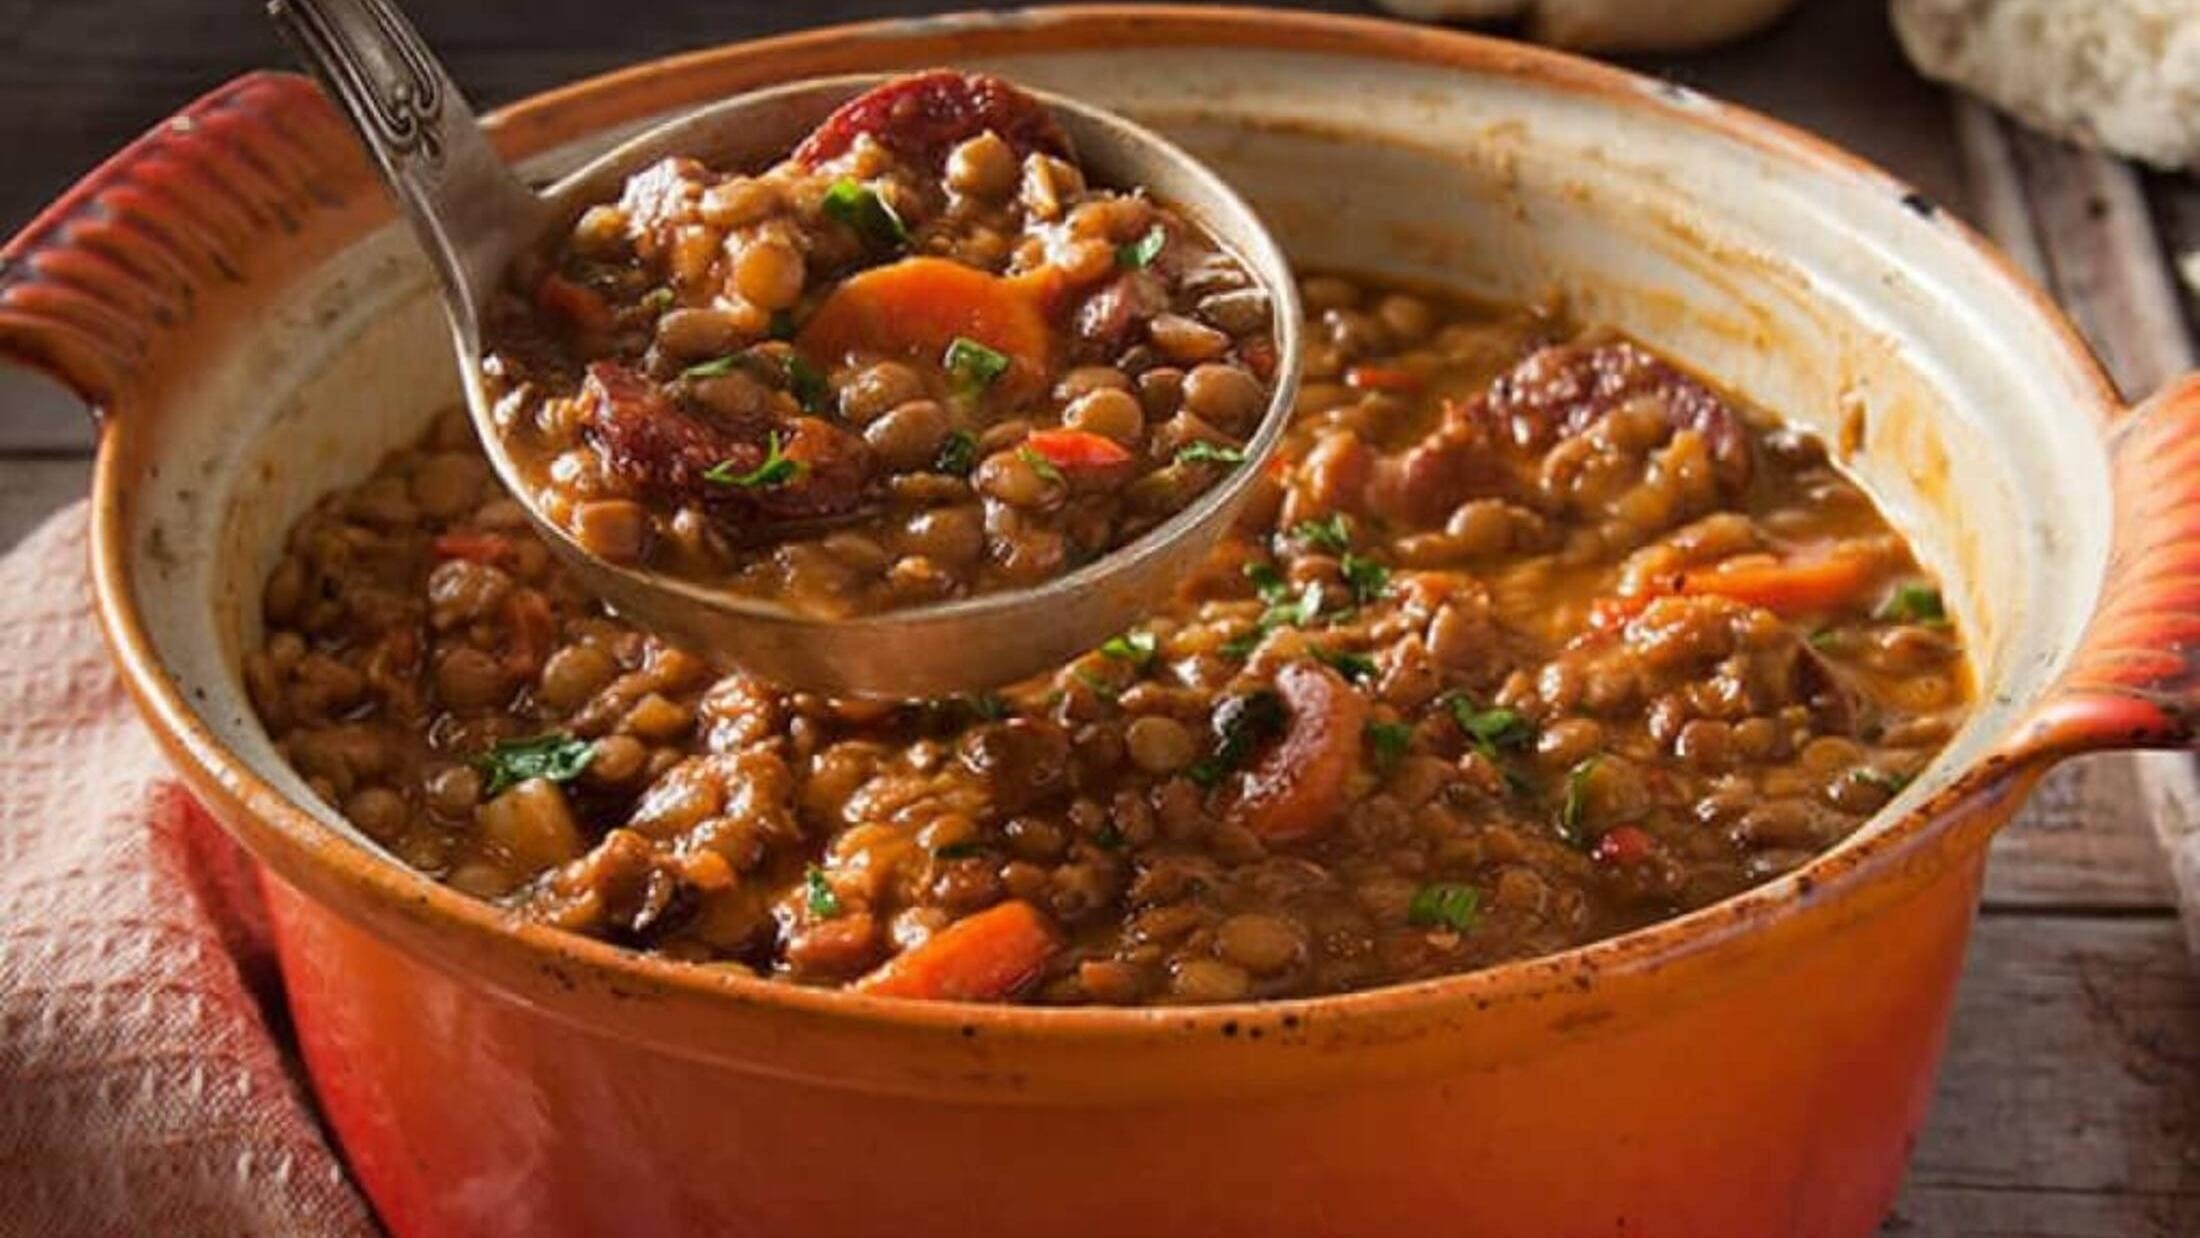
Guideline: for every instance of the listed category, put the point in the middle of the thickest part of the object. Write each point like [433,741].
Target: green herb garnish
[988,706]
[1332,535]
[959,851]
[1100,687]
[1891,783]
[1390,741]
[714,367]
[1045,468]
[1444,904]
[555,755]
[1136,648]
[782,324]
[1109,838]
[658,300]
[1139,254]
[1357,667]
[1490,729]
[1913,604]
[1204,452]
[972,367]
[805,383]
[1268,582]
[1240,722]
[1369,579]
[1572,808]
[1824,639]
[859,207]
[1283,610]
[818,893]
[958,455]
[776,470]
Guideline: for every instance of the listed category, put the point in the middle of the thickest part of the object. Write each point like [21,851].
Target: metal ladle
[473,216]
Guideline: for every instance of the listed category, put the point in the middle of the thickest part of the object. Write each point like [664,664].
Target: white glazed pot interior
[1803,282]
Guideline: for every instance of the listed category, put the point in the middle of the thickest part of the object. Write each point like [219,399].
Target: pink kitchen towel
[144,1088]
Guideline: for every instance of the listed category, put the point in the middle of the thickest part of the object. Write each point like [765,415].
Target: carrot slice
[582,307]
[979,958]
[916,307]
[1382,378]
[1298,788]
[1793,587]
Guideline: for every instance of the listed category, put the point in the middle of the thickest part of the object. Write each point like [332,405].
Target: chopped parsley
[658,300]
[1824,639]
[1369,579]
[714,367]
[782,324]
[859,207]
[790,369]
[1891,783]
[1267,582]
[958,455]
[1390,741]
[1913,604]
[1136,648]
[1109,838]
[1332,535]
[805,383]
[1100,687]
[972,367]
[555,755]
[818,893]
[1047,470]
[959,851]
[777,469]
[1240,723]
[987,706]
[1204,452]
[1575,805]
[1444,904]
[1283,610]
[1357,667]
[1139,254]
[1490,729]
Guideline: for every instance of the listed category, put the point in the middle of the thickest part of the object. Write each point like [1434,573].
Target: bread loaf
[2121,74]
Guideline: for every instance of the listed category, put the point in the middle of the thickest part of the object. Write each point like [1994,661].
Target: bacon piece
[924,115]
[663,451]
[654,445]
[1564,389]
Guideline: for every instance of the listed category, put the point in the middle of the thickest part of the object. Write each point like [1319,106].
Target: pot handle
[114,279]
[2134,681]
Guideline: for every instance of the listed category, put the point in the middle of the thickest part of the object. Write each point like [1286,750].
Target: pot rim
[307,844]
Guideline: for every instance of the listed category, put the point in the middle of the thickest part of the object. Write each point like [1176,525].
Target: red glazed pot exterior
[1756,1068]
[1787,1107]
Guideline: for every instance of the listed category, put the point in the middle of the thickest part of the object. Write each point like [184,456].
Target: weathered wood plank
[2083,843]
[2105,260]
[31,490]
[1836,70]
[2069,1104]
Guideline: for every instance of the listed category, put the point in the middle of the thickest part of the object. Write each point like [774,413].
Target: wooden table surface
[2069,1106]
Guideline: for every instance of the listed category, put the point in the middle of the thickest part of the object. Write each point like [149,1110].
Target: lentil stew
[1529,638]
[918,359]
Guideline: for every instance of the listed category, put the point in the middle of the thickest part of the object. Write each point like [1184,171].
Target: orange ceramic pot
[230,295]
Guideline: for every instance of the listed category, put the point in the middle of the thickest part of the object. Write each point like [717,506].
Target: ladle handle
[464,204]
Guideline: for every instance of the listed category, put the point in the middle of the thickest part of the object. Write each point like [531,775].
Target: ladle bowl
[474,217]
